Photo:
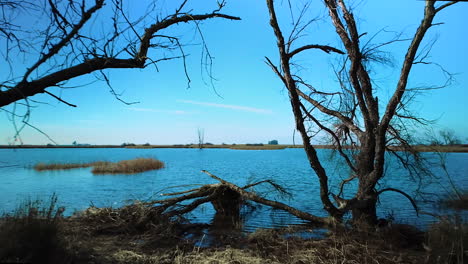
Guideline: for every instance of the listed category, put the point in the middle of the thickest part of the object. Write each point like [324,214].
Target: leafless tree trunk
[350,116]
[201,138]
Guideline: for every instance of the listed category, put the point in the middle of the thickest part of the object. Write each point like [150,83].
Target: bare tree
[361,127]
[449,137]
[201,137]
[76,38]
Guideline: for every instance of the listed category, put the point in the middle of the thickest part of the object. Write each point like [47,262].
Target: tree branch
[60,99]
[324,48]
[66,40]
[413,203]
[27,88]
[426,23]
[346,121]
[334,136]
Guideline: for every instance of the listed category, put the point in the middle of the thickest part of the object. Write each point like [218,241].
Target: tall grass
[447,241]
[104,167]
[60,166]
[128,166]
[32,234]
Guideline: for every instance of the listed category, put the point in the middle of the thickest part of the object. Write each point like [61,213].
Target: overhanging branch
[96,62]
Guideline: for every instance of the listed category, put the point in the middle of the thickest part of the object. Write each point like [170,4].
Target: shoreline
[421,148]
[130,235]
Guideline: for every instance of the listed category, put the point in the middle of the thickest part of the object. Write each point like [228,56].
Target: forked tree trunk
[365,127]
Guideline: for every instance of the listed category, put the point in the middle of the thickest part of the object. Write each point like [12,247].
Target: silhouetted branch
[60,99]
[324,48]
[413,203]
[93,61]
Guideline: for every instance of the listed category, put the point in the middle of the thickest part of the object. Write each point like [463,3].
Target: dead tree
[201,138]
[361,127]
[77,38]
[227,199]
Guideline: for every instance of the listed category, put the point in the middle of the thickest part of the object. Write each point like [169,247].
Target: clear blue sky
[254,106]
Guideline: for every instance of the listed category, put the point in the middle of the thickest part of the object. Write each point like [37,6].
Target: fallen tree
[168,216]
[227,199]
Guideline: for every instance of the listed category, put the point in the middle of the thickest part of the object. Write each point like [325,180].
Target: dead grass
[340,246]
[105,167]
[128,166]
[263,147]
[60,166]
[139,233]
[34,234]
[447,241]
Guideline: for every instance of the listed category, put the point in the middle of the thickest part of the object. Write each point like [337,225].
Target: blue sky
[252,106]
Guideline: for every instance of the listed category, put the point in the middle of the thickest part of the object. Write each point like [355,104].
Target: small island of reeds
[133,166]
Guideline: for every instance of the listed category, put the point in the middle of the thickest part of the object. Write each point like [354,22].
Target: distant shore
[422,148]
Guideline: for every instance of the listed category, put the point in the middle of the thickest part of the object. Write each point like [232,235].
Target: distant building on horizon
[273,142]
[76,144]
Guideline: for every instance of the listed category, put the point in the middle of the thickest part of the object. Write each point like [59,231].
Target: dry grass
[60,166]
[138,233]
[447,241]
[34,234]
[104,167]
[264,147]
[340,246]
[128,166]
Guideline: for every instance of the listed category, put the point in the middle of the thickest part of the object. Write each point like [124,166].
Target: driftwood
[227,199]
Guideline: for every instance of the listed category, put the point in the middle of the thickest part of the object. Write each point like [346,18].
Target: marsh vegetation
[38,232]
[133,166]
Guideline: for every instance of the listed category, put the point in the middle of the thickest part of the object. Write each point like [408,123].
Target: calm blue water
[78,189]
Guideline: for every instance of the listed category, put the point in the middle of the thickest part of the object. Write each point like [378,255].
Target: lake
[78,189]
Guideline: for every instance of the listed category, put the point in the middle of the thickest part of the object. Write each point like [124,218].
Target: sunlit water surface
[78,189]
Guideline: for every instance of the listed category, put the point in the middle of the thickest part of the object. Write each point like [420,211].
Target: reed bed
[105,167]
[128,166]
[67,166]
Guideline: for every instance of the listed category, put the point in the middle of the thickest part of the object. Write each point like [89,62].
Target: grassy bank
[226,146]
[261,147]
[139,234]
[105,167]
